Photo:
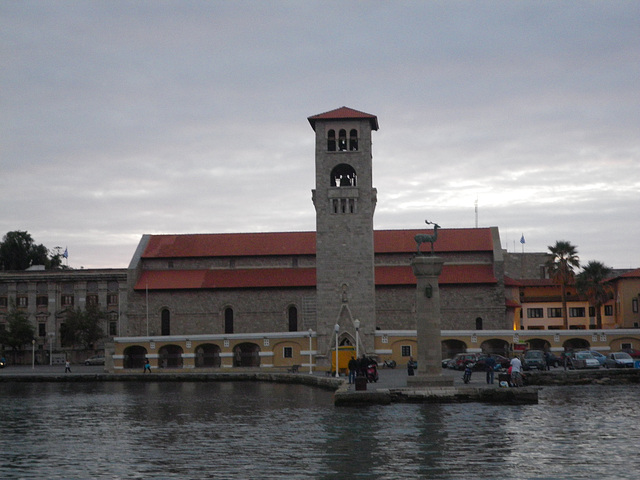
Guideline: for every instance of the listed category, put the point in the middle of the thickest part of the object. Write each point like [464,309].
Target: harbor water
[195,430]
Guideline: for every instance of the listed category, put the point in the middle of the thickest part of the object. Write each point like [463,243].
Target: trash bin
[361,383]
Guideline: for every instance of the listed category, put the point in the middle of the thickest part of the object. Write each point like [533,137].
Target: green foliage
[82,327]
[564,258]
[18,251]
[19,331]
[590,282]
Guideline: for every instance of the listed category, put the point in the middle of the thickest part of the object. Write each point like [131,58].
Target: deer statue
[424,238]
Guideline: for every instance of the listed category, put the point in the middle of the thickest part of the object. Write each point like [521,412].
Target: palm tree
[564,258]
[590,282]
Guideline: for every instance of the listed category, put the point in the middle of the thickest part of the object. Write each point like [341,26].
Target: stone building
[299,281]
[46,295]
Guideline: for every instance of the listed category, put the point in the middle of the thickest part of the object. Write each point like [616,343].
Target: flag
[66,253]
[522,239]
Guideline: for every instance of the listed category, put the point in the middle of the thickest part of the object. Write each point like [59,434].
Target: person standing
[67,367]
[516,372]
[353,370]
[490,364]
[411,366]
[147,366]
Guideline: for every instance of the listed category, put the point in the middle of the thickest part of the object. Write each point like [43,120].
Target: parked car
[584,359]
[534,359]
[502,363]
[96,360]
[445,362]
[598,356]
[634,353]
[619,360]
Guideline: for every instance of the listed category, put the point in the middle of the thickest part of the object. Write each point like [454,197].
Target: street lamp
[357,324]
[52,337]
[310,358]
[33,354]
[337,330]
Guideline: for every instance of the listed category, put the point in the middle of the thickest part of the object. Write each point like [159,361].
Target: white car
[619,360]
[584,360]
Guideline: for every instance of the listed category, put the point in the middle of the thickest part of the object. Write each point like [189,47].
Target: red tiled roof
[451,274]
[304,243]
[344,113]
[296,277]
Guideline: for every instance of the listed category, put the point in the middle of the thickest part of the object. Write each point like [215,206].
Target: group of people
[358,367]
[514,371]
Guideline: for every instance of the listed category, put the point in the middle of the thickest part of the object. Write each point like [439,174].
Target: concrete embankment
[602,376]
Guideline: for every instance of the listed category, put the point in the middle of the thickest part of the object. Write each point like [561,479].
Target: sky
[124,118]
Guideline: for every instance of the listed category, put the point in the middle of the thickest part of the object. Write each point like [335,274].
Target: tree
[82,327]
[564,258]
[18,251]
[19,331]
[590,282]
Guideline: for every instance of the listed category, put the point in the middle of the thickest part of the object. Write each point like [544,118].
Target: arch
[495,345]
[452,347]
[208,355]
[539,344]
[353,140]
[165,322]
[292,314]
[576,344]
[246,355]
[228,320]
[343,175]
[134,356]
[478,323]
[331,140]
[170,356]
[342,140]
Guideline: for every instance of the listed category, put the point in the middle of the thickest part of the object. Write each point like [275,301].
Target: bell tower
[345,200]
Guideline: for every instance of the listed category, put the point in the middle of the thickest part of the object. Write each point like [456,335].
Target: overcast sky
[120,118]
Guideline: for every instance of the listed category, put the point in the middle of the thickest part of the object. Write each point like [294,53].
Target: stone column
[429,373]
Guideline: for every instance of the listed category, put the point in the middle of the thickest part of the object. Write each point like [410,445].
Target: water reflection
[262,430]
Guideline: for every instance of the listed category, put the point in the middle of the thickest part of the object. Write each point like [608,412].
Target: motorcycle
[389,364]
[372,373]
[468,370]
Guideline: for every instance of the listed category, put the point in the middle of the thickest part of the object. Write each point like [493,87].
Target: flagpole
[147,301]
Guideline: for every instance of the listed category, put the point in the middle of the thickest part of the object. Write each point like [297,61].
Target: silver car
[584,360]
[96,360]
[618,360]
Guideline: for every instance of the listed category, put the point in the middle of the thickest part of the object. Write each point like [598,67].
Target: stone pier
[427,269]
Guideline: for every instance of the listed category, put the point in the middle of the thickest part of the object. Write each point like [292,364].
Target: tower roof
[344,113]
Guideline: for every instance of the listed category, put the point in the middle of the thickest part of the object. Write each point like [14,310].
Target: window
[293,319]
[288,352]
[554,312]
[42,329]
[112,299]
[42,301]
[342,140]
[535,313]
[22,302]
[406,350]
[353,140]
[592,311]
[228,320]
[331,141]
[113,329]
[577,312]
[92,300]
[608,310]
[66,300]
[625,346]
[479,323]
[3,302]
[165,318]
[634,305]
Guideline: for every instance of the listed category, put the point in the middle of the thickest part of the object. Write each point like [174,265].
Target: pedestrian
[490,364]
[67,367]
[411,366]
[516,372]
[353,370]
[147,366]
